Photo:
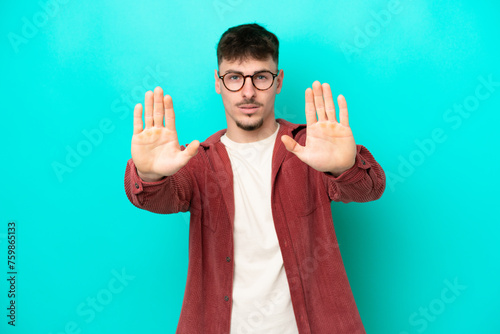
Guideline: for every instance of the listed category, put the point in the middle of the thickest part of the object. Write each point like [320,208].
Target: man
[263,255]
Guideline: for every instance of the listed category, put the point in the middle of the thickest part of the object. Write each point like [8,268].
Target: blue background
[75,69]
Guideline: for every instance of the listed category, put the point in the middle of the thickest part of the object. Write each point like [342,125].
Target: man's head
[247,41]
[242,51]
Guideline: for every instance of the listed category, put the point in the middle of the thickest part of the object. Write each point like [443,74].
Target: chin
[251,125]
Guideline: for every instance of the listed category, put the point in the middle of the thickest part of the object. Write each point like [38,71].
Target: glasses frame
[245,79]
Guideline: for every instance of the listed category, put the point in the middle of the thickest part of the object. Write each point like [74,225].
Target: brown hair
[247,41]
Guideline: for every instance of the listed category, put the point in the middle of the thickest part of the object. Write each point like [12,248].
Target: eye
[261,76]
[233,77]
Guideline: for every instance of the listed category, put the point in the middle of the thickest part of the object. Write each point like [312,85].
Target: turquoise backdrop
[422,83]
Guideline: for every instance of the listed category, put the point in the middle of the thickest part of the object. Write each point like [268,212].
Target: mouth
[248,109]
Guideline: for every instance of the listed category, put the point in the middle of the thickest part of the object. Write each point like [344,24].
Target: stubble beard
[251,126]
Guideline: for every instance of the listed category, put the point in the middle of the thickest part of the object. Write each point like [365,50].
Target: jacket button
[136,186]
[226,298]
[364,163]
[228,259]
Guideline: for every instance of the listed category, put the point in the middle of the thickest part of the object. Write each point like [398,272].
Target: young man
[263,255]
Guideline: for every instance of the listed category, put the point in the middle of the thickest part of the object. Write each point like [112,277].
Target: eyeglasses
[235,81]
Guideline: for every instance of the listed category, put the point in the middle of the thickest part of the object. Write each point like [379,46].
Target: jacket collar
[222,163]
[279,152]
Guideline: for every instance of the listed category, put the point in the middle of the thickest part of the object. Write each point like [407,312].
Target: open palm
[155,148]
[330,145]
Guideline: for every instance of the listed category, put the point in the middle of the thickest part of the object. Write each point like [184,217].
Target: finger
[310,110]
[343,114]
[329,105]
[169,112]
[318,101]
[192,149]
[158,110]
[148,115]
[291,145]
[138,118]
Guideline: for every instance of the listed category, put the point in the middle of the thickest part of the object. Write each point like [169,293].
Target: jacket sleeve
[171,194]
[363,182]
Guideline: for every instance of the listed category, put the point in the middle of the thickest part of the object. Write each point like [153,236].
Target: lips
[248,108]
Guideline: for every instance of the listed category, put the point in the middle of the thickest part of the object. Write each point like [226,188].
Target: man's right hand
[155,148]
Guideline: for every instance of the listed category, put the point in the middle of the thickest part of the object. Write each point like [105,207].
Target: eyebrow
[239,72]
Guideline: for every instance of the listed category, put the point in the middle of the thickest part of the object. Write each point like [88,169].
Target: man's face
[248,108]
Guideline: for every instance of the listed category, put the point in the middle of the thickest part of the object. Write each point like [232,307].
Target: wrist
[149,177]
[338,172]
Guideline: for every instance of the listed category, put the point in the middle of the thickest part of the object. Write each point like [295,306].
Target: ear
[217,83]
[279,82]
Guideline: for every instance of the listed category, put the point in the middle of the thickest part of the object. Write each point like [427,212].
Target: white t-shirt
[261,296]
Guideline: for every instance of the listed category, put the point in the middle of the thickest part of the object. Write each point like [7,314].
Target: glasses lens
[262,80]
[233,81]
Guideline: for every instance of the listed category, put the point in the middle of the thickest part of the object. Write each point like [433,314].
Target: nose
[248,90]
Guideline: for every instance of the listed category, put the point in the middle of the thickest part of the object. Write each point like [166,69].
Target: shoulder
[213,139]
[209,142]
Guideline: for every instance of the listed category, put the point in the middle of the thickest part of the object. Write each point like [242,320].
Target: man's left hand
[330,145]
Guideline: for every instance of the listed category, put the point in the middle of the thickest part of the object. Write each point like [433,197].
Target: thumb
[291,145]
[192,149]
